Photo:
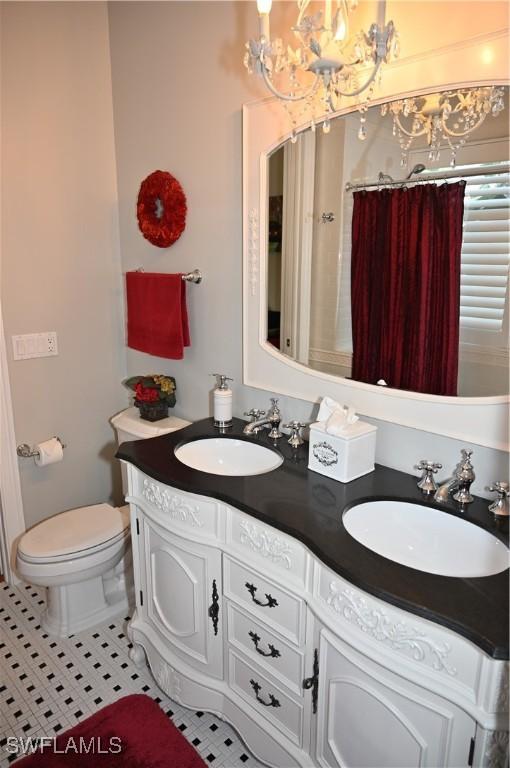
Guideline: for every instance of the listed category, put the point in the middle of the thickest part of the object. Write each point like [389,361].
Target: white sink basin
[223,456]
[426,539]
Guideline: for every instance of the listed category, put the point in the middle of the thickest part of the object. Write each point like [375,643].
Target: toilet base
[60,619]
[72,608]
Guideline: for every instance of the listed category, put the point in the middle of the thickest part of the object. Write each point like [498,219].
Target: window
[485,250]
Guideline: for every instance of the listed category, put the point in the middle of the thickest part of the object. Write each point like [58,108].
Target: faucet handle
[254,414]
[295,439]
[429,468]
[499,507]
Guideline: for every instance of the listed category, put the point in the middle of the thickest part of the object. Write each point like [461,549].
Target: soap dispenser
[222,401]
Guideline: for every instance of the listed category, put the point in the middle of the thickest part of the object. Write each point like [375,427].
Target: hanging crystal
[444,119]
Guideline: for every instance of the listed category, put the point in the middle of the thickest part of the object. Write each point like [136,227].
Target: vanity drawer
[267,548]
[265,600]
[266,697]
[266,648]
[179,511]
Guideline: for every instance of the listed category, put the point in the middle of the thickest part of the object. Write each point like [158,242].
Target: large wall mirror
[312,182]
[297,312]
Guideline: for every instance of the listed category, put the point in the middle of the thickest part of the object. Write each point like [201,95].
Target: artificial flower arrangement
[154,395]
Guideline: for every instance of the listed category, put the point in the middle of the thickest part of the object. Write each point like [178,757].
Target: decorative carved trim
[272,547]
[503,693]
[253,250]
[176,507]
[399,636]
[169,681]
[496,749]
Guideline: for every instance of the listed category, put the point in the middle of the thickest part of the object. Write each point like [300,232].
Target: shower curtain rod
[405,182]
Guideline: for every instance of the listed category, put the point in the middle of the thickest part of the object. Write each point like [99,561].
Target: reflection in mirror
[410,257]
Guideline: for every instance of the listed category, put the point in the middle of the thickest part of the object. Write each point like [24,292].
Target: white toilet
[83,556]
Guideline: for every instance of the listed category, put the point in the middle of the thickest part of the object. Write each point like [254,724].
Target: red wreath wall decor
[161,209]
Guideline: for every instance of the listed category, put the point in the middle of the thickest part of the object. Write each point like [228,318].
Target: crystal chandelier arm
[285,96]
[365,85]
[411,134]
[450,132]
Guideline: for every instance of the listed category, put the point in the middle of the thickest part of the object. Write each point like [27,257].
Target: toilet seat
[76,533]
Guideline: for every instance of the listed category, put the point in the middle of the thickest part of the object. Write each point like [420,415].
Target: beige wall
[60,253]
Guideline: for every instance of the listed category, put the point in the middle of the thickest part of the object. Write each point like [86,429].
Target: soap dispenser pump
[222,401]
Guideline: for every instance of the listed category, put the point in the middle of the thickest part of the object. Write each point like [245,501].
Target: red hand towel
[157,319]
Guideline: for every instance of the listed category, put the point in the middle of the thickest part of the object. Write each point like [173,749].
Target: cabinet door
[183,596]
[369,716]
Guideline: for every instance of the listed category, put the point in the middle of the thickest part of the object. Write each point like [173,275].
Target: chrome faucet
[261,419]
[460,483]
[258,421]
[443,492]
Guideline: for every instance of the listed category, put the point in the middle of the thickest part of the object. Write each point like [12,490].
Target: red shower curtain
[405,286]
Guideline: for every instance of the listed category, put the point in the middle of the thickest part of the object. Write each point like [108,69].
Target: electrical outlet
[31,345]
[51,343]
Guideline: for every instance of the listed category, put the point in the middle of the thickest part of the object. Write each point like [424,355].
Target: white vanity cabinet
[367,715]
[240,619]
[180,583]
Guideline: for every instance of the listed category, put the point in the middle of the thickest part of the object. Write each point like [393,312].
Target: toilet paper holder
[26,452]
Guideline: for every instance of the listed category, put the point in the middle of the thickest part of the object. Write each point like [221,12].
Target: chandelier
[443,118]
[327,65]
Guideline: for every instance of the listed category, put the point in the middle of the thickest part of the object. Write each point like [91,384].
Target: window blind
[485,255]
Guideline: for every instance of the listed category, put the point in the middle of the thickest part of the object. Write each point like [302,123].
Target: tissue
[336,419]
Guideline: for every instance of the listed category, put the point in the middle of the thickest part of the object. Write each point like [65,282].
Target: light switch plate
[30,345]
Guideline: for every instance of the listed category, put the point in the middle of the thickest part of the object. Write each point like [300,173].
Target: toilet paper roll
[50,451]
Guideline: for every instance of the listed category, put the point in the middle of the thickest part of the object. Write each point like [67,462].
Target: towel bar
[193,277]
[190,277]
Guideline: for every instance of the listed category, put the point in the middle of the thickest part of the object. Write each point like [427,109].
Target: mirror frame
[479,420]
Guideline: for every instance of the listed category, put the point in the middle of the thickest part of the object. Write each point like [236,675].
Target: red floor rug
[131,733]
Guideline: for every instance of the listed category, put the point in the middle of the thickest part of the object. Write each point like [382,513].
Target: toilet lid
[75,530]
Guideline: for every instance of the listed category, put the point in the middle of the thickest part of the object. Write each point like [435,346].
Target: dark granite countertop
[309,507]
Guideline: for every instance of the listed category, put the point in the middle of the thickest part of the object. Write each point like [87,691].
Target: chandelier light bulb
[340,24]
[264,9]
[341,31]
[264,6]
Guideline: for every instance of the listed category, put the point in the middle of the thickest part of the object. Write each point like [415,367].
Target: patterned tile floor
[49,684]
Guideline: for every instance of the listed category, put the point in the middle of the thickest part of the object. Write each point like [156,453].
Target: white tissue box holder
[342,457]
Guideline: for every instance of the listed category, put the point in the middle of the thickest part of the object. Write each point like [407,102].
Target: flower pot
[152,411]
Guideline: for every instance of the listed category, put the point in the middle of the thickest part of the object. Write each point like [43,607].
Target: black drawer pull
[313,681]
[271,602]
[273,652]
[272,701]
[214,608]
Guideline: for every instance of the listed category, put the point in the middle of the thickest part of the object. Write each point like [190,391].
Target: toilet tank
[129,426]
